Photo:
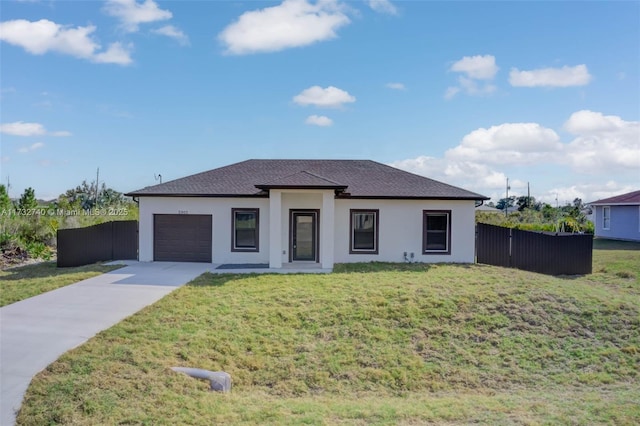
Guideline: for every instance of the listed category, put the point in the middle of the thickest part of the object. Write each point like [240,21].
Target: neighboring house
[488,209]
[281,212]
[618,217]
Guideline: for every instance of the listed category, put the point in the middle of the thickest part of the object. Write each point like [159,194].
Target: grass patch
[614,259]
[607,244]
[368,344]
[22,282]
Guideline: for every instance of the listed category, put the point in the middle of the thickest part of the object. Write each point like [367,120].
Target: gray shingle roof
[362,178]
[302,179]
[631,198]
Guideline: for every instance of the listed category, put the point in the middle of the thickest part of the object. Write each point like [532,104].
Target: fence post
[510,246]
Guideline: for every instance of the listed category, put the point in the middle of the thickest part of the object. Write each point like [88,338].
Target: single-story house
[287,212]
[618,217]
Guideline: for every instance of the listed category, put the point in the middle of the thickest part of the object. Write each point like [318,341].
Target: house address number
[183,211]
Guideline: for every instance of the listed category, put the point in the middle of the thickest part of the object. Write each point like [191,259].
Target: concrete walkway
[36,331]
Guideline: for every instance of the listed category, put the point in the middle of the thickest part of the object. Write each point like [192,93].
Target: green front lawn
[27,281]
[368,344]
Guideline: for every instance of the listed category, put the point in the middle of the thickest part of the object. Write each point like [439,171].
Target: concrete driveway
[36,331]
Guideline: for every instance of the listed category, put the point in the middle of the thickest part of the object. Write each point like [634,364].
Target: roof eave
[183,195]
[406,197]
[630,203]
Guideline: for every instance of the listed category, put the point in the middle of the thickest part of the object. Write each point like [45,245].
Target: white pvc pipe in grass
[218,380]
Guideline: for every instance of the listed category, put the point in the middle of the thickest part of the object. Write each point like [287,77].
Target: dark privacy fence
[544,252]
[107,241]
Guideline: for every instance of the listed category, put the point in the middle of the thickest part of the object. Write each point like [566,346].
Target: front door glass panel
[304,236]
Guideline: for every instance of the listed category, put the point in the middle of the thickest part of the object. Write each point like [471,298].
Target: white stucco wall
[400,223]
[400,231]
[220,209]
[309,200]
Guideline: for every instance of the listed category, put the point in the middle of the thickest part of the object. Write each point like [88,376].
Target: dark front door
[304,235]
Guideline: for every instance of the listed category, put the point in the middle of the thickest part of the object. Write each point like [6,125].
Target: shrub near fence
[544,252]
[116,240]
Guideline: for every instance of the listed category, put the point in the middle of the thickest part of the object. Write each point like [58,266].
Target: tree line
[29,225]
[527,213]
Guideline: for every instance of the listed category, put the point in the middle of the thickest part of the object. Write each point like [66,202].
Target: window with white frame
[606,217]
[364,231]
[436,232]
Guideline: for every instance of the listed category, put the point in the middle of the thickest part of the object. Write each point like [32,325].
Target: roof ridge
[320,177]
[279,178]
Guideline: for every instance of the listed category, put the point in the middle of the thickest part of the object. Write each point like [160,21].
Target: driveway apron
[36,331]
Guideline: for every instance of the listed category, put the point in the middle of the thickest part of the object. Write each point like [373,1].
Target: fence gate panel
[533,252]
[493,245]
[125,240]
[106,241]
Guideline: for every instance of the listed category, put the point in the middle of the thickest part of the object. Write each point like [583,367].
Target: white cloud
[293,23]
[588,192]
[20,128]
[604,146]
[586,121]
[30,148]
[396,86]
[475,175]
[423,165]
[131,13]
[40,37]
[319,120]
[509,143]
[329,97]
[451,92]
[61,133]
[603,143]
[477,67]
[115,54]
[474,68]
[470,175]
[472,88]
[551,77]
[174,33]
[383,6]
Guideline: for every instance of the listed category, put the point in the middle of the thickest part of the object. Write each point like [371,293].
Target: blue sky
[468,93]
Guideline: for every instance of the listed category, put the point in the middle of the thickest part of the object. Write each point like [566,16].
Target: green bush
[39,250]
[534,220]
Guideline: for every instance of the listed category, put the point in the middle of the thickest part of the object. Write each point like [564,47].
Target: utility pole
[528,196]
[506,202]
[97,186]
